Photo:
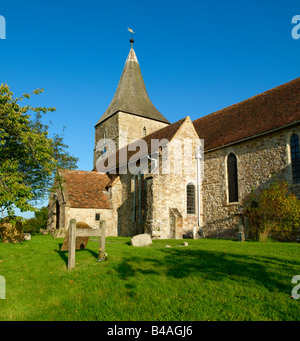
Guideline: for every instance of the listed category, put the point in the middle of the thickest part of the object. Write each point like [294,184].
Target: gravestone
[141,240]
[26,236]
[60,233]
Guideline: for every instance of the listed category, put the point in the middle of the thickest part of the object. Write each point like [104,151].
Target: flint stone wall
[133,125]
[259,162]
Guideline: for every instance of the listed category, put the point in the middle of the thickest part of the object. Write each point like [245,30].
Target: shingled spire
[131,95]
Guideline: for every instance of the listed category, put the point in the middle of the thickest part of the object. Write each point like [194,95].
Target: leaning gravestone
[141,240]
[80,241]
[59,233]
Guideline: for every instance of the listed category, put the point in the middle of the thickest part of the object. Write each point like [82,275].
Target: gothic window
[232,178]
[190,199]
[295,156]
[57,214]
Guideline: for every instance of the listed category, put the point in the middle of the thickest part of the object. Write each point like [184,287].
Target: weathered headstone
[26,236]
[141,240]
[59,233]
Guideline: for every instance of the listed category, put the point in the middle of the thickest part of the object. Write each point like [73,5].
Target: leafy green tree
[29,158]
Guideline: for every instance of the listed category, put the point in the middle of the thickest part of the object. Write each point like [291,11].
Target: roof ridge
[278,87]
[262,113]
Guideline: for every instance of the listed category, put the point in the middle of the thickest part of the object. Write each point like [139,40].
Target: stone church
[244,146]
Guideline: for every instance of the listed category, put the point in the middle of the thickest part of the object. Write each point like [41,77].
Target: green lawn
[208,280]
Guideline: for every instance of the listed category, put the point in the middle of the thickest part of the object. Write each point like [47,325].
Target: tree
[33,225]
[29,158]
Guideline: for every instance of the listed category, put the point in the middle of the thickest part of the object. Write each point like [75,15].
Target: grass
[208,280]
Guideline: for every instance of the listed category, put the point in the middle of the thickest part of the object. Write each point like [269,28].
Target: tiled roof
[270,110]
[85,189]
[166,133]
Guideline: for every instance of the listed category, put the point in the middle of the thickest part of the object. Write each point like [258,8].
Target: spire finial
[131,39]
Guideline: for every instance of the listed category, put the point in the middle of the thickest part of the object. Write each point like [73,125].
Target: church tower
[131,115]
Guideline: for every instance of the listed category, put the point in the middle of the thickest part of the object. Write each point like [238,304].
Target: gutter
[198,158]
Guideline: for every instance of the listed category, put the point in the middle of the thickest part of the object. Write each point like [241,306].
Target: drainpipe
[198,158]
[152,159]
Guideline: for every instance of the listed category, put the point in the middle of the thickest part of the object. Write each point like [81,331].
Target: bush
[11,229]
[33,225]
[274,212]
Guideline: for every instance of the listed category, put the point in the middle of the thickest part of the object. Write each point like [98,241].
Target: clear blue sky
[196,57]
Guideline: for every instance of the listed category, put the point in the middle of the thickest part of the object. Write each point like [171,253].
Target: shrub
[33,225]
[273,211]
[11,229]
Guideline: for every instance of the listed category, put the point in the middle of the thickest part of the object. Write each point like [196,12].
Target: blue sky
[196,57]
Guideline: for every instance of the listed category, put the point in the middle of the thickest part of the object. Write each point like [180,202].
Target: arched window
[57,214]
[233,195]
[190,199]
[295,156]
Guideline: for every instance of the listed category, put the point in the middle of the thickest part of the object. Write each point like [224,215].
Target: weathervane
[131,39]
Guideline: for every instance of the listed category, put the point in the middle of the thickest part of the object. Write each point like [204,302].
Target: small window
[144,132]
[295,156]
[97,216]
[190,202]
[233,195]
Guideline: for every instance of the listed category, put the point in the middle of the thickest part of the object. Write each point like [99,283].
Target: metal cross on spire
[131,39]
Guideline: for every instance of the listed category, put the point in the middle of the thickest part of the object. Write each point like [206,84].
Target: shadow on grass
[64,254]
[270,272]
[128,268]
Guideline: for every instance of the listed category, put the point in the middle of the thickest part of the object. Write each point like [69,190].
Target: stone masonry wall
[108,129]
[121,122]
[169,190]
[87,215]
[164,191]
[52,211]
[259,161]
[134,126]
